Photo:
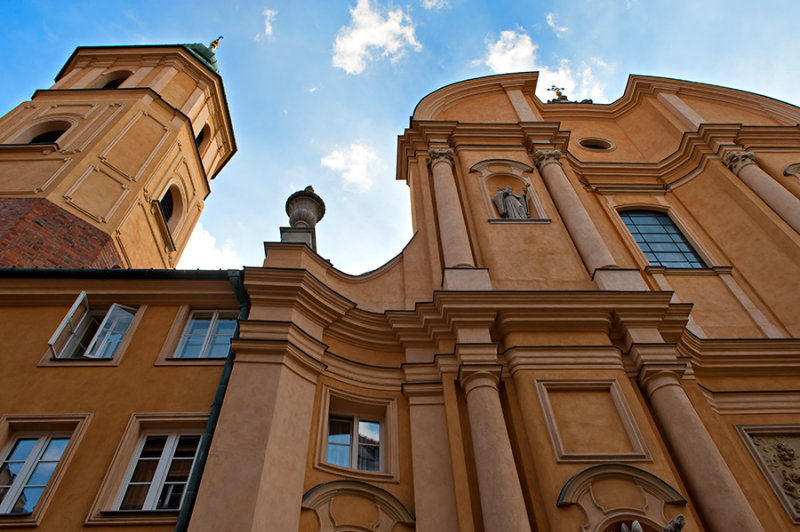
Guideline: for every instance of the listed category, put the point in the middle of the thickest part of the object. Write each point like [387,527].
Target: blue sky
[319,90]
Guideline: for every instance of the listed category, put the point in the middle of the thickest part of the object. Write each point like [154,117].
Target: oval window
[597,144]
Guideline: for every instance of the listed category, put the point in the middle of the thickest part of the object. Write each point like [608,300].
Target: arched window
[660,240]
[171,204]
[202,138]
[113,80]
[46,133]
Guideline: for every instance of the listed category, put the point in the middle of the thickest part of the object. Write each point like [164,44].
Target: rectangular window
[27,469]
[208,334]
[159,472]
[365,453]
[91,333]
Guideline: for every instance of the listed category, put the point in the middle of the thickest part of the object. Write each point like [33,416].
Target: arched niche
[112,80]
[373,509]
[494,174]
[45,132]
[606,508]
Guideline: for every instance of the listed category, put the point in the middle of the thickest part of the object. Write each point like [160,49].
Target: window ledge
[83,362]
[516,221]
[379,476]
[134,517]
[714,270]
[44,148]
[177,361]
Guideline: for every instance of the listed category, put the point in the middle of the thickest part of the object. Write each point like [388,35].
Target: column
[434,494]
[780,200]
[452,229]
[584,234]
[713,489]
[502,503]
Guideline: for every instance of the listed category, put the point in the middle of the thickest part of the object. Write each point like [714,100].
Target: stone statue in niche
[676,525]
[510,205]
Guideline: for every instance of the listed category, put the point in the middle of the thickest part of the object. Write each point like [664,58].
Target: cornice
[741,357]
[297,288]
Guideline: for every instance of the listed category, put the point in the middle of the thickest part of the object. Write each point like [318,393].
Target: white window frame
[354,444]
[34,458]
[74,324]
[160,475]
[208,336]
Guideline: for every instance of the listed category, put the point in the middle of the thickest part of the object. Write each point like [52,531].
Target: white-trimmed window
[354,442]
[207,334]
[157,476]
[91,333]
[27,466]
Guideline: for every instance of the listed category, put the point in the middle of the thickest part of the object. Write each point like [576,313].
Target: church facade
[594,324]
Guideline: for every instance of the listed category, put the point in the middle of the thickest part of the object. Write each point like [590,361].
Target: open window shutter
[111,331]
[66,329]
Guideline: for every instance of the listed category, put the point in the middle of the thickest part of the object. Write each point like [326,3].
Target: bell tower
[111,165]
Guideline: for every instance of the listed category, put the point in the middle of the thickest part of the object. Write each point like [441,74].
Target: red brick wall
[37,233]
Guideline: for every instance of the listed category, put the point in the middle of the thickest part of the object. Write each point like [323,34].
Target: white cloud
[202,252]
[434,4]
[551,21]
[313,89]
[269,18]
[515,52]
[356,163]
[370,33]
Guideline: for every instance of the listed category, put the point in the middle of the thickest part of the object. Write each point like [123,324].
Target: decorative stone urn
[305,208]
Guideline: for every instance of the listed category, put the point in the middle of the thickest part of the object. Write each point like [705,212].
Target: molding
[743,357]
[390,446]
[390,510]
[539,357]
[738,402]
[74,424]
[638,451]
[655,493]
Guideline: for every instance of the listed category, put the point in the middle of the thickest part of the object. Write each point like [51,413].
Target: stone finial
[305,208]
[441,155]
[543,158]
[736,160]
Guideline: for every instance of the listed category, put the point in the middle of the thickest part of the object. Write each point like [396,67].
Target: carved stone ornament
[736,160]
[441,155]
[776,450]
[793,169]
[543,158]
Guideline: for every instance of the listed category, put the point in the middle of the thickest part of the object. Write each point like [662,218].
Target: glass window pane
[22,449]
[369,432]
[145,469]
[339,431]
[218,346]
[179,470]
[339,455]
[55,449]
[27,500]
[187,445]
[225,327]
[369,457]
[9,472]
[190,347]
[153,446]
[41,474]
[134,497]
[199,323]
[170,498]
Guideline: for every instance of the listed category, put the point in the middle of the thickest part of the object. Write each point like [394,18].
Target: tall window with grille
[660,240]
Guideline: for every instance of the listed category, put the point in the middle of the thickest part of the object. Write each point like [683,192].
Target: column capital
[654,376]
[543,158]
[472,376]
[736,160]
[441,154]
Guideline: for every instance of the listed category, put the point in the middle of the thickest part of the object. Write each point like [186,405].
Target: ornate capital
[736,160]
[543,158]
[440,155]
